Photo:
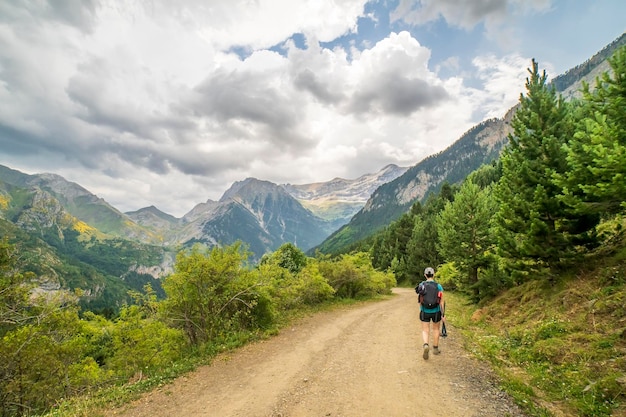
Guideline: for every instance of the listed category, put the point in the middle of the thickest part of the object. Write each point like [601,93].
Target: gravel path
[359,361]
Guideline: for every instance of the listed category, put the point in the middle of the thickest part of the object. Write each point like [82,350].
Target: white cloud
[502,82]
[144,104]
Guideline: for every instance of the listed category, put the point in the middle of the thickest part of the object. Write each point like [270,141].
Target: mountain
[80,203]
[261,214]
[481,144]
[159,223]
[62,251]
[339,199]
[570,83]
[265,215]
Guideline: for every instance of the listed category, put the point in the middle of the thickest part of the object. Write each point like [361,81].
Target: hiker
[432,307]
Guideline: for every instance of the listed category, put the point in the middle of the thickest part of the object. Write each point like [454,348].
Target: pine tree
[531,219]
[463,228]
[595,183]
[422,246]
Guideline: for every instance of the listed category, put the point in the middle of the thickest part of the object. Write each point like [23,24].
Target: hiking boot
[436,350]
[425,355]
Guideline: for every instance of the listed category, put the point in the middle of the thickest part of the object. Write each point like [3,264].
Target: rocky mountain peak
[249,189]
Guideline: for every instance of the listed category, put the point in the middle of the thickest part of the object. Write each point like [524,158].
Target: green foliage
[560,344]
[211,292]
[408,245]
[15,288]
[422,246]
[464,232]
[486,175]
[45,359]
[289,291]
[312,287]
[104,284]
[287,256]
[142,343]
[352,276]
[213,301]
[562,171]
[594,183]
[531,218]
[448,276]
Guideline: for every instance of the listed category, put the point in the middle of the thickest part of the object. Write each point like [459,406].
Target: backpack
[429,294]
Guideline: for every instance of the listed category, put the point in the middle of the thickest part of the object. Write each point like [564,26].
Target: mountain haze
[339,199]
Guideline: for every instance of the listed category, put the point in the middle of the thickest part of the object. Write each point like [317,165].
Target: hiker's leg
[425,338]
[425,331]
[436,328]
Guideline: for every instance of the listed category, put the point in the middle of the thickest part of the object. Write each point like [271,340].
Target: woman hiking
[432,306]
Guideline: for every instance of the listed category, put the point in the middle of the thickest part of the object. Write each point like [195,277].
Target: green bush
[353,276]
[211,292]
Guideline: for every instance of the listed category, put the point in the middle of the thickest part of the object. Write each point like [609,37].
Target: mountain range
[70,238]
[262,214]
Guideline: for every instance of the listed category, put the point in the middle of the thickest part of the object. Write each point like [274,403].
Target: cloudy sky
[167,103]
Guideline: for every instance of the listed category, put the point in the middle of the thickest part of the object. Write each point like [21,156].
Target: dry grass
[560,347]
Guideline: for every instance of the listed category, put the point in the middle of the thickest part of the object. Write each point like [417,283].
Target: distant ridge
[582,71]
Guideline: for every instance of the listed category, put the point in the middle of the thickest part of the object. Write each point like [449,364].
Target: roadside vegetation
[59,360]
[558,343]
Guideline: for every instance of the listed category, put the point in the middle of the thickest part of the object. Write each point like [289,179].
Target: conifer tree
[464,234]
[596,180]
[531,219]
[422,246]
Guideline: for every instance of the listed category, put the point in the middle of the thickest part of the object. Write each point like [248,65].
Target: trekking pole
[444,332]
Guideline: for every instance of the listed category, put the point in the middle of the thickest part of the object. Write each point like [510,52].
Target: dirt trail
[361,361]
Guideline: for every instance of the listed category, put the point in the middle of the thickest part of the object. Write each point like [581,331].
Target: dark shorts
[434,317]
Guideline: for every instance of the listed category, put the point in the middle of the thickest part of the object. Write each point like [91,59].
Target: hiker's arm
[443,307]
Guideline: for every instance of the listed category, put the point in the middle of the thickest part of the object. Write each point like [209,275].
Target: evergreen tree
[381,258]
[422,247]
[389,248]
[463,229]
[532,221]
[595,183]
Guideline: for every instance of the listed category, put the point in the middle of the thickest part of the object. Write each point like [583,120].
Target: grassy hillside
[103,270]
[559,342]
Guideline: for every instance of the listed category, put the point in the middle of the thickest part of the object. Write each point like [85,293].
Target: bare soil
[360,361]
